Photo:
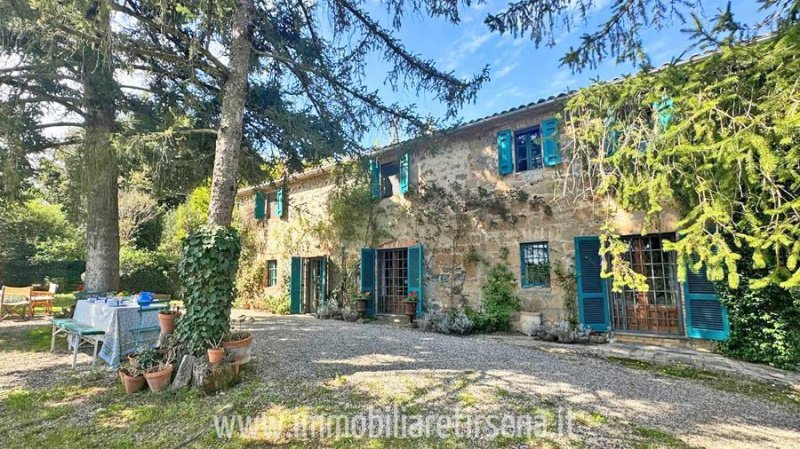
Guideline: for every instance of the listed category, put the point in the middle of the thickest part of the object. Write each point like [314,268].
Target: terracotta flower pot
[159,380]
[410,308]
[239,350]
[166,320]
[362,306]
[215,355]
[132,384]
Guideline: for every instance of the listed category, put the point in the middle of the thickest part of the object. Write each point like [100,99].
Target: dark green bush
[499,301]
[208,271]
[145,270]
[765,323]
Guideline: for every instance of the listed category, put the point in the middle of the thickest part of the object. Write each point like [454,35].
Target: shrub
[499,301]
[764,322]
[207,271]
[145,270]
[454,321]
[277,303]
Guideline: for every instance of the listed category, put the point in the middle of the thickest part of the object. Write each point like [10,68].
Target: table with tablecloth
[117,321]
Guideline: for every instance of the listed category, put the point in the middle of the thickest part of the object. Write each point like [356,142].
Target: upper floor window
[389,174]
[528,149]
[535,264]
[272,273]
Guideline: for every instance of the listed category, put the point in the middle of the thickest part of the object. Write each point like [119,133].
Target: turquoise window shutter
[404,159]
[368,277]
[296,285]
[375,179]
[323,280]
[279,200]
[663,110]
[505,159]
[706,316]
[551,147]
[592,294]
[416,275]
[260,208]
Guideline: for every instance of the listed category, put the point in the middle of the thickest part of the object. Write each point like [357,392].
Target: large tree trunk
[100,169]
[229,137]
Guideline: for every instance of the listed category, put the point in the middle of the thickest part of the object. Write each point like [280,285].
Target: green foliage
[499,300]
[184,219]
[145,270]
[764,322]
[565,278]
[276,303]
[207,272]
[38,244]
[727,162]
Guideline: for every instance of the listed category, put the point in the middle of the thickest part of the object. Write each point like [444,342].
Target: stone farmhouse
[448,207]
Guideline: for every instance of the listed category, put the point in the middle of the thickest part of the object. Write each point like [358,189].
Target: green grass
[716,380]
[34,339]
[653,438]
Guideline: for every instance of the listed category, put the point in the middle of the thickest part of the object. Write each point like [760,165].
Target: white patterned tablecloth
[117,322]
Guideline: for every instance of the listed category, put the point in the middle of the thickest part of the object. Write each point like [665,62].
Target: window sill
[539,286]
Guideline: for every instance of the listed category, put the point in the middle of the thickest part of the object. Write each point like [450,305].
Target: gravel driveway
[437,372]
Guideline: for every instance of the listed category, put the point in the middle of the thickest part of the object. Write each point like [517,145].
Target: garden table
[117,321]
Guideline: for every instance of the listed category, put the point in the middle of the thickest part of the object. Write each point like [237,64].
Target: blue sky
[520,72]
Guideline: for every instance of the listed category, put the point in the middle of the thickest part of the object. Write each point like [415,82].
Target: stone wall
[467,160]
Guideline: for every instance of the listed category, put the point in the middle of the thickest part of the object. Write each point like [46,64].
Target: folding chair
[140,331]
[12,298]
[44,298]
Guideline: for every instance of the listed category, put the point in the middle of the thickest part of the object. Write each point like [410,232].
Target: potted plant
[215,351]
[362,303]
[410,306]
[166,319]
[132,378]
[238,341]
[157,369]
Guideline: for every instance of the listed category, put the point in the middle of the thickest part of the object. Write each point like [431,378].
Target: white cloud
[465,46]
[505,70]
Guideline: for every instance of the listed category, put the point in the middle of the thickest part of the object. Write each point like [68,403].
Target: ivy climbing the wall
[207,270]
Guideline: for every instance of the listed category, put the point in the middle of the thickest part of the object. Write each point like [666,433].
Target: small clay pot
[166,319]
[159,380]
[215,355]
[362,306]
[132,384]
[410,309]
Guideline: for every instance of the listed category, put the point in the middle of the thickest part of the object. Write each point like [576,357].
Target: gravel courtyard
[307,367]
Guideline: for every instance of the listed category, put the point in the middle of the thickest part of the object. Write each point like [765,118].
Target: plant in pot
[132,377]
[166,320]
[362,303]
[157,368]
[410,306]
[215,351]
[238,341]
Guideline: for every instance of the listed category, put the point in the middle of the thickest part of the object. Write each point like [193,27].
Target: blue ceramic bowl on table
[145,299]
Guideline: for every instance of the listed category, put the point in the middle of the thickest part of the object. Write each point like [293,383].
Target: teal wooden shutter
[706,316]
[404,173]
[551,148]
[505,160]
[323,280]
[416,275]
[663,110]
[260,208]
[592,294]
[368,277]
[375,179]
[296,285]
[279,200]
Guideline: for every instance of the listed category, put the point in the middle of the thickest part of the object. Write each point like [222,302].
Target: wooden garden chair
[15,298]
[44,298]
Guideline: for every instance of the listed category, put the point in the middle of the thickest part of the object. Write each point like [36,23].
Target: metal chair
[141,330]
